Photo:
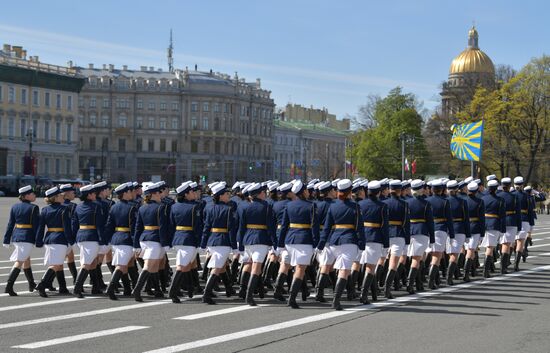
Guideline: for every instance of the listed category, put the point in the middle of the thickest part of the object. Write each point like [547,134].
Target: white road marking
[66,277]
[326,316]
[82,314]
[216,312]
[81,337]
[41,303]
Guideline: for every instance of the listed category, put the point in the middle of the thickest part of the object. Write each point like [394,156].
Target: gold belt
[508,213]
[184,228]
[321,226]
[55,229]
[491,215]
[256,226]
[122,229]
[344,226]
[418,220]
[300,225]
[474,219]
[439,220]
[524,211]
[219,230]
[372,225]
[23,226]
[458,219]
[395,223]
[279,226]
[85,227]
[151,227]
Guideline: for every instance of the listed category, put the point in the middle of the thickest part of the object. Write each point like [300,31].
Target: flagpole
[402,155]
[472,169]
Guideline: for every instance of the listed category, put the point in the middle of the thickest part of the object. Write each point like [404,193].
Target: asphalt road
[502,314]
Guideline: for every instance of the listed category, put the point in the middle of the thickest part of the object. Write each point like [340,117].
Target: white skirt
[285,257]
[103,249]
[372,253]
[257,253]
[419,244]
[88,252]
[491,238]
[218,256]
[454,245]
[525,229]
[122,254]
[327,257]
[472,242]
[384,252]
[345,256]
[397,246]
[300,254]
[22,251]
[185,254]
[54,254]
[440,241]
[509,236]
[151,250]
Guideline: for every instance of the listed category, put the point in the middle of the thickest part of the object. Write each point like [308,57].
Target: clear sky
[323,53]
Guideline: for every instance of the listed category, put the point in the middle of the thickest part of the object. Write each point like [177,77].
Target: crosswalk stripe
[85,336]
[41,303]
[216,312]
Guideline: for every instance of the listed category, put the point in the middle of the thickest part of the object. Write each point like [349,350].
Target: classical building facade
[470,69]
[148,124]
[38,110]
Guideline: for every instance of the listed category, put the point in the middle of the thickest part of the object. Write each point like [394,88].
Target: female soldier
[87,224]
[21,232]
[219,235]
[152,236]
[476,211]
[344,230]
[257,227]
[299,234]
[57,238]
[285,197]
[119,232]
[69,195]
[375,217]
[185,222]
[495,223]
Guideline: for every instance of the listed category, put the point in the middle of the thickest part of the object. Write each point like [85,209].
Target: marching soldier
[513,222]
[495,223]
[69,195]
[461,228]
[56,239]
[534,197]
[476,211]
[284,265]
[21,233]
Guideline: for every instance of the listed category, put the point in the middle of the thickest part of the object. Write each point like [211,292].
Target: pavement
[501,314]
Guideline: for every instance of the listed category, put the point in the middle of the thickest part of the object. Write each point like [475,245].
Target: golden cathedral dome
[472,59]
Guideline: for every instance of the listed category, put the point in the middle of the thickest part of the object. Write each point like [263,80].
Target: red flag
[413,167]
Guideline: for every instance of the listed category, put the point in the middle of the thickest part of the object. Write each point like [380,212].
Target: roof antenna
[170,52]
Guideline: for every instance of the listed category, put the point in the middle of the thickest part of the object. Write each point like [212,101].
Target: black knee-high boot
[379,273]
[487,266]
[413,274]
[352,280]
[163,279]
[384,273]
[397,277]
[175,287]
[126,284]
[467,264]
[117,274]
[418,280]
[11,281]
[141,262]
[204,274]
[389,280]
[229,291]
[504,263]
[294,288]
[434,271]
[30,278]
[252,284]
[143,276]
[245,278]
[210,283]
[60,275]
[195,280]
[72,270]
[333,278]
[158,293]
[451,273]
[340,286]
[46,282]
[321,285]
[101,284]
[94,279]
[79,283]
[367,284]
[305,289]
[311,275]
[187,284]
[234,270]
[278,287]
[516,261]
[133,274]
[110,267]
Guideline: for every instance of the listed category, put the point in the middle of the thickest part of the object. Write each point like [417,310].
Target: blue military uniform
[186,223]
[343,225]
[152,225]
[461,218]
[120,226]
[219,226]
[300,224]
[23,223]
[399,225]
[421,218]
[476,211]
[257,225]
[56,218]
[88,223]
[375,221]
[443,219]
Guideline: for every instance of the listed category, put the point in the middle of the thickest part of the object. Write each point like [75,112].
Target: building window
[93,120]
[162,124]
[175,106]
[162,105]
[205,106]
[105,103]
[69,134]
[205,123]
[46,131]
[139,122]
[122,145]
[58,101]
[194,106]
[92,143]
[57,132]
[216,124]
[194,147]
[140,104]
[139,145]
[104,121]
[57,166]
[194,122]
[151,123]
[121,162]
[23,124]
[174,124]
[162,145]
[11,128]
[34,129]
[174,145]
[216,107]
[11,94]
[1,93]
[68,167]
[80,102]
[35,98]
[92,102]
[226,108]
[206,146]
[151,145]
[217,147]
[47,99]
[23,96]
[69,102]
[151,106]
[11,165]
[47,166]
[122,121]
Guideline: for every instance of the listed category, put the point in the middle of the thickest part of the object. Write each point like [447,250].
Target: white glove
[166,248]
[7,246]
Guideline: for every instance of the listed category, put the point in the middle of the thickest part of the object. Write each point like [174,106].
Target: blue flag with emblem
[467,140]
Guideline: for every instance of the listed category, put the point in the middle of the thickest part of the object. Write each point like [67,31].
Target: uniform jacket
[495,213]
[152,214]
[121,215]
[398,222]
[23,213]
[89,214]
[217,217]
[375,221]
[476,211]
[187,216]
[58,222]
[298,215]
[461,218]
[513,209]
[256,213]
[443,219]
[421,217]
[343,225]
